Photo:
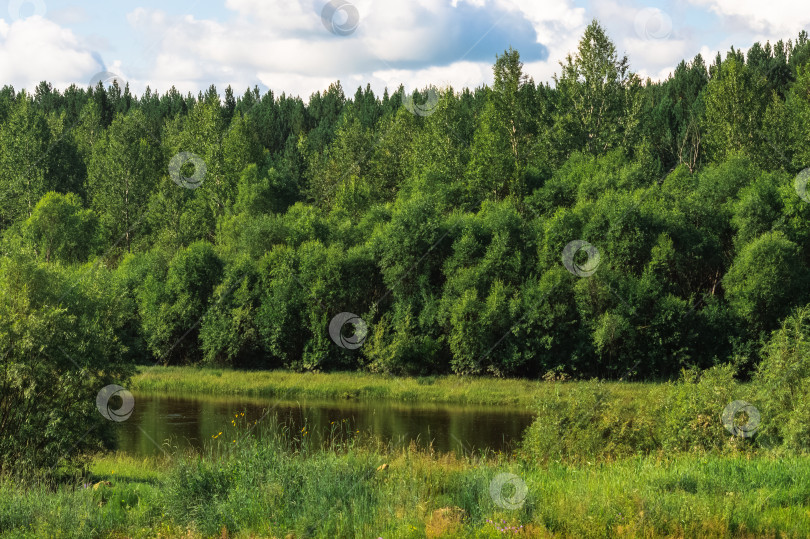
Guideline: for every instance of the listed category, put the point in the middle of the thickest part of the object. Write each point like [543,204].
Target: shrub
[766,278]
[783,382]
[593,420]
[59,346]
[589,421]
[695,407]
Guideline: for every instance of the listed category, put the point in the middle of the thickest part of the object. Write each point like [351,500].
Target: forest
[622,263]
[603,226]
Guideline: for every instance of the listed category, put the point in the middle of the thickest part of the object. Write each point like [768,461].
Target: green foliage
[592,422]
[783,379]
[765,279]
[735,103]
[171,303]
[123,172]
[59,333]
[692,417]
[59,229]
[24,140]
[444,232]
[595,420]
[229,333]
[599,97]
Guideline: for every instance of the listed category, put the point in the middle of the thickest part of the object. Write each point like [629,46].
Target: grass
[600,460]
[282,487]
[352,385]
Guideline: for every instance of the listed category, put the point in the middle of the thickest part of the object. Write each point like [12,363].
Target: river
[168,423]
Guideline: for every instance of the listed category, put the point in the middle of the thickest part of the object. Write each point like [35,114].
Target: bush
[59,229]
[586,421]
[172,307]
[594,420]
[765,280]
[59,346]
[695,407]
[783,382]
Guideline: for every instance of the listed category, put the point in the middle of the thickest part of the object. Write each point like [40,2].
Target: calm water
[191,421]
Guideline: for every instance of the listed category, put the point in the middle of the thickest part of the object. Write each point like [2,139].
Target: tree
[493,170]
[500,148]
[60,229]
[228,333]
[60,336]
[346,157]
[599,97]
[172,307]
[766,278]
[124,171]
[673,122]
[735,104]
[24,142]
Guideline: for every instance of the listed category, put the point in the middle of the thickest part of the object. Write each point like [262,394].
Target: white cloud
[774,18]
[552,20]
[284,45]
[559,26]
[36,49]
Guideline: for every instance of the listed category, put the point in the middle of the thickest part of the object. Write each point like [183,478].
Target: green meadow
[351,385]
[600,460]
[284,488]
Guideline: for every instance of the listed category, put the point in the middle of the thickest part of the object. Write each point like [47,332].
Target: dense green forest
[181,229]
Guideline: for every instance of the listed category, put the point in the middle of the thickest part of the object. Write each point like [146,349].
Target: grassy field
[352,385]
[292,491]
[600,460]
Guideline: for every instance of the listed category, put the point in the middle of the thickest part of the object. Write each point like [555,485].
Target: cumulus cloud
[34,49]
[286,45]
[775,18]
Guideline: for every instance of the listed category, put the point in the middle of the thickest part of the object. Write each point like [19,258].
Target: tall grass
[593,420]
[352,385]
[285,485]
[601,460]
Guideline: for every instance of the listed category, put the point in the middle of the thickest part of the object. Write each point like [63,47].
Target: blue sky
[288,46]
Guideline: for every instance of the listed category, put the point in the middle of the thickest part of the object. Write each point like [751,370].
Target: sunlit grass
[352,385]
[601,460]
[285,485]
[256,492]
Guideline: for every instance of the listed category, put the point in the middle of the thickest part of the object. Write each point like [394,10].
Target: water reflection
[179,422]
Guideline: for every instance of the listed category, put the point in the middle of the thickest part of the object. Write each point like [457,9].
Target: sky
[301,46]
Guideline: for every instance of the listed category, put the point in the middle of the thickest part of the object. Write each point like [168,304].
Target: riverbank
[352,385]
[260,491]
